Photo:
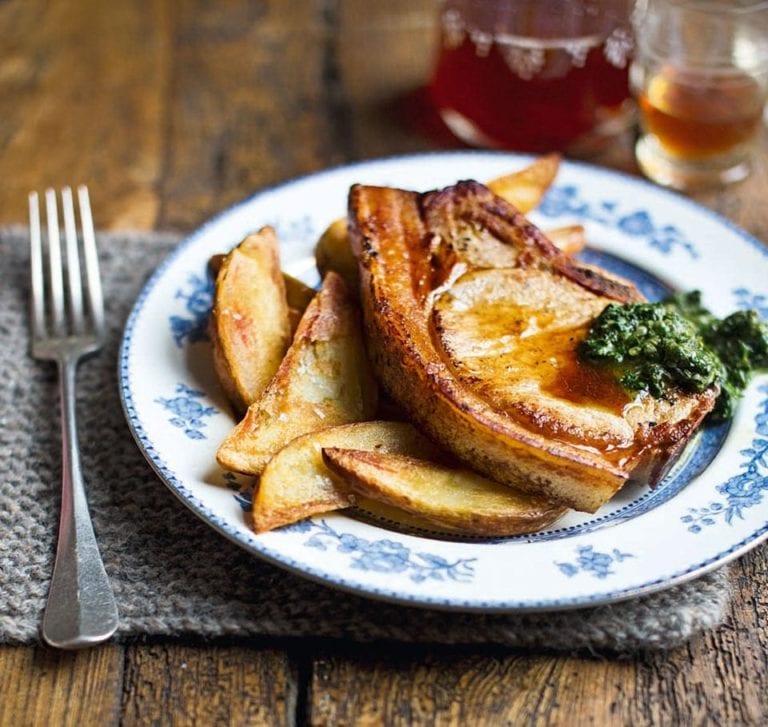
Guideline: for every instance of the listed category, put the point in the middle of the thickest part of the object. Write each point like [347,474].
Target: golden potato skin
[324,380]
[525,188]
[249,324]
[333,252]
[570,239]
[452,498]
[297,484]
[298,295]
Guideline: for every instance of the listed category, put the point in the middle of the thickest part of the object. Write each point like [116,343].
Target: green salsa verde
[677,343]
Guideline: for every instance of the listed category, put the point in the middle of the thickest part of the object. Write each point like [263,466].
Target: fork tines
[59,283]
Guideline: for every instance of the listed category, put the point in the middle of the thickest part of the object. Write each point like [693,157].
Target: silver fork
[68,324]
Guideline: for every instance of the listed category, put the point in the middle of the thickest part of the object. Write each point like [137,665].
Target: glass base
[689,176]
[610,125]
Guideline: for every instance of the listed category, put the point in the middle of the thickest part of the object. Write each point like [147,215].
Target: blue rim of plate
[250,542]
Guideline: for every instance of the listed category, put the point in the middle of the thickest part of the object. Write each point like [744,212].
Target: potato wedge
[458,499]
[249,324]
[525,188]
[333,252]
[381,513]
[324,380]
[571,239]
[296,484]
[297,294]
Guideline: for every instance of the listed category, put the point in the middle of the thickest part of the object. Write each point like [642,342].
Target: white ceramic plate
[711,509]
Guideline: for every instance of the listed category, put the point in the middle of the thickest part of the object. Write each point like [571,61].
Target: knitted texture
[172,574]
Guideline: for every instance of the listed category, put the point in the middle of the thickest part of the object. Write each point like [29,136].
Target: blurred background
[173,109]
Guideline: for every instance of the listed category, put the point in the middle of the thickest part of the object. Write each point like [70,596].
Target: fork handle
[81,609]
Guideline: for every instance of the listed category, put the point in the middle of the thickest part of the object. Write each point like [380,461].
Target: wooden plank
[248,105]
[84,85]
[381,61]
[42,687]
[718,679]
[744,203]
[399,686]
[174,684]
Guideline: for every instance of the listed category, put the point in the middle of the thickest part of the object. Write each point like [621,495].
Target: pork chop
[473,322]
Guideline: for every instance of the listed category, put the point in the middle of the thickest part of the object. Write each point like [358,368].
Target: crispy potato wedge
[333,252]
[381,512]
[324,380]
[571,239]
[525,188]
[297,294]
[296,484]
[249,324]
[458,499]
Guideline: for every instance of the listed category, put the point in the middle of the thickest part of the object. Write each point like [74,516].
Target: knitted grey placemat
[174,575]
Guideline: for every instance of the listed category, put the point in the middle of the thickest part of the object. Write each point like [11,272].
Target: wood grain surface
[172,110]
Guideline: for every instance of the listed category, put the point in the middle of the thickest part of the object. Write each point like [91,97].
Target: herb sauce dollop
[678,343]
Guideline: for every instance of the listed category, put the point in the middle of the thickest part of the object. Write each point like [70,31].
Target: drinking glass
[534,75]
[701,77]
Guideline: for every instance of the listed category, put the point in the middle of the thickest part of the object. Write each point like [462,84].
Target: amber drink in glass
[701,78]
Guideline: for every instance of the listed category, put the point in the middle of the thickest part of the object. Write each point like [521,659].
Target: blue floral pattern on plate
[384,556]
[198,301]
[188,412]
[747,299]
[597,564]
[743,490]
[566,200]
[242,491]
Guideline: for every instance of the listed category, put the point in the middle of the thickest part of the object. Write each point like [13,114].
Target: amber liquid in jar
[696,116]
[534,75]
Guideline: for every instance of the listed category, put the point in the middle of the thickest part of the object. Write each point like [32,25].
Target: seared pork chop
[473,321]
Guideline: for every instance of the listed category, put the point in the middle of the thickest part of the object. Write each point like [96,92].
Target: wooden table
[171,110]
